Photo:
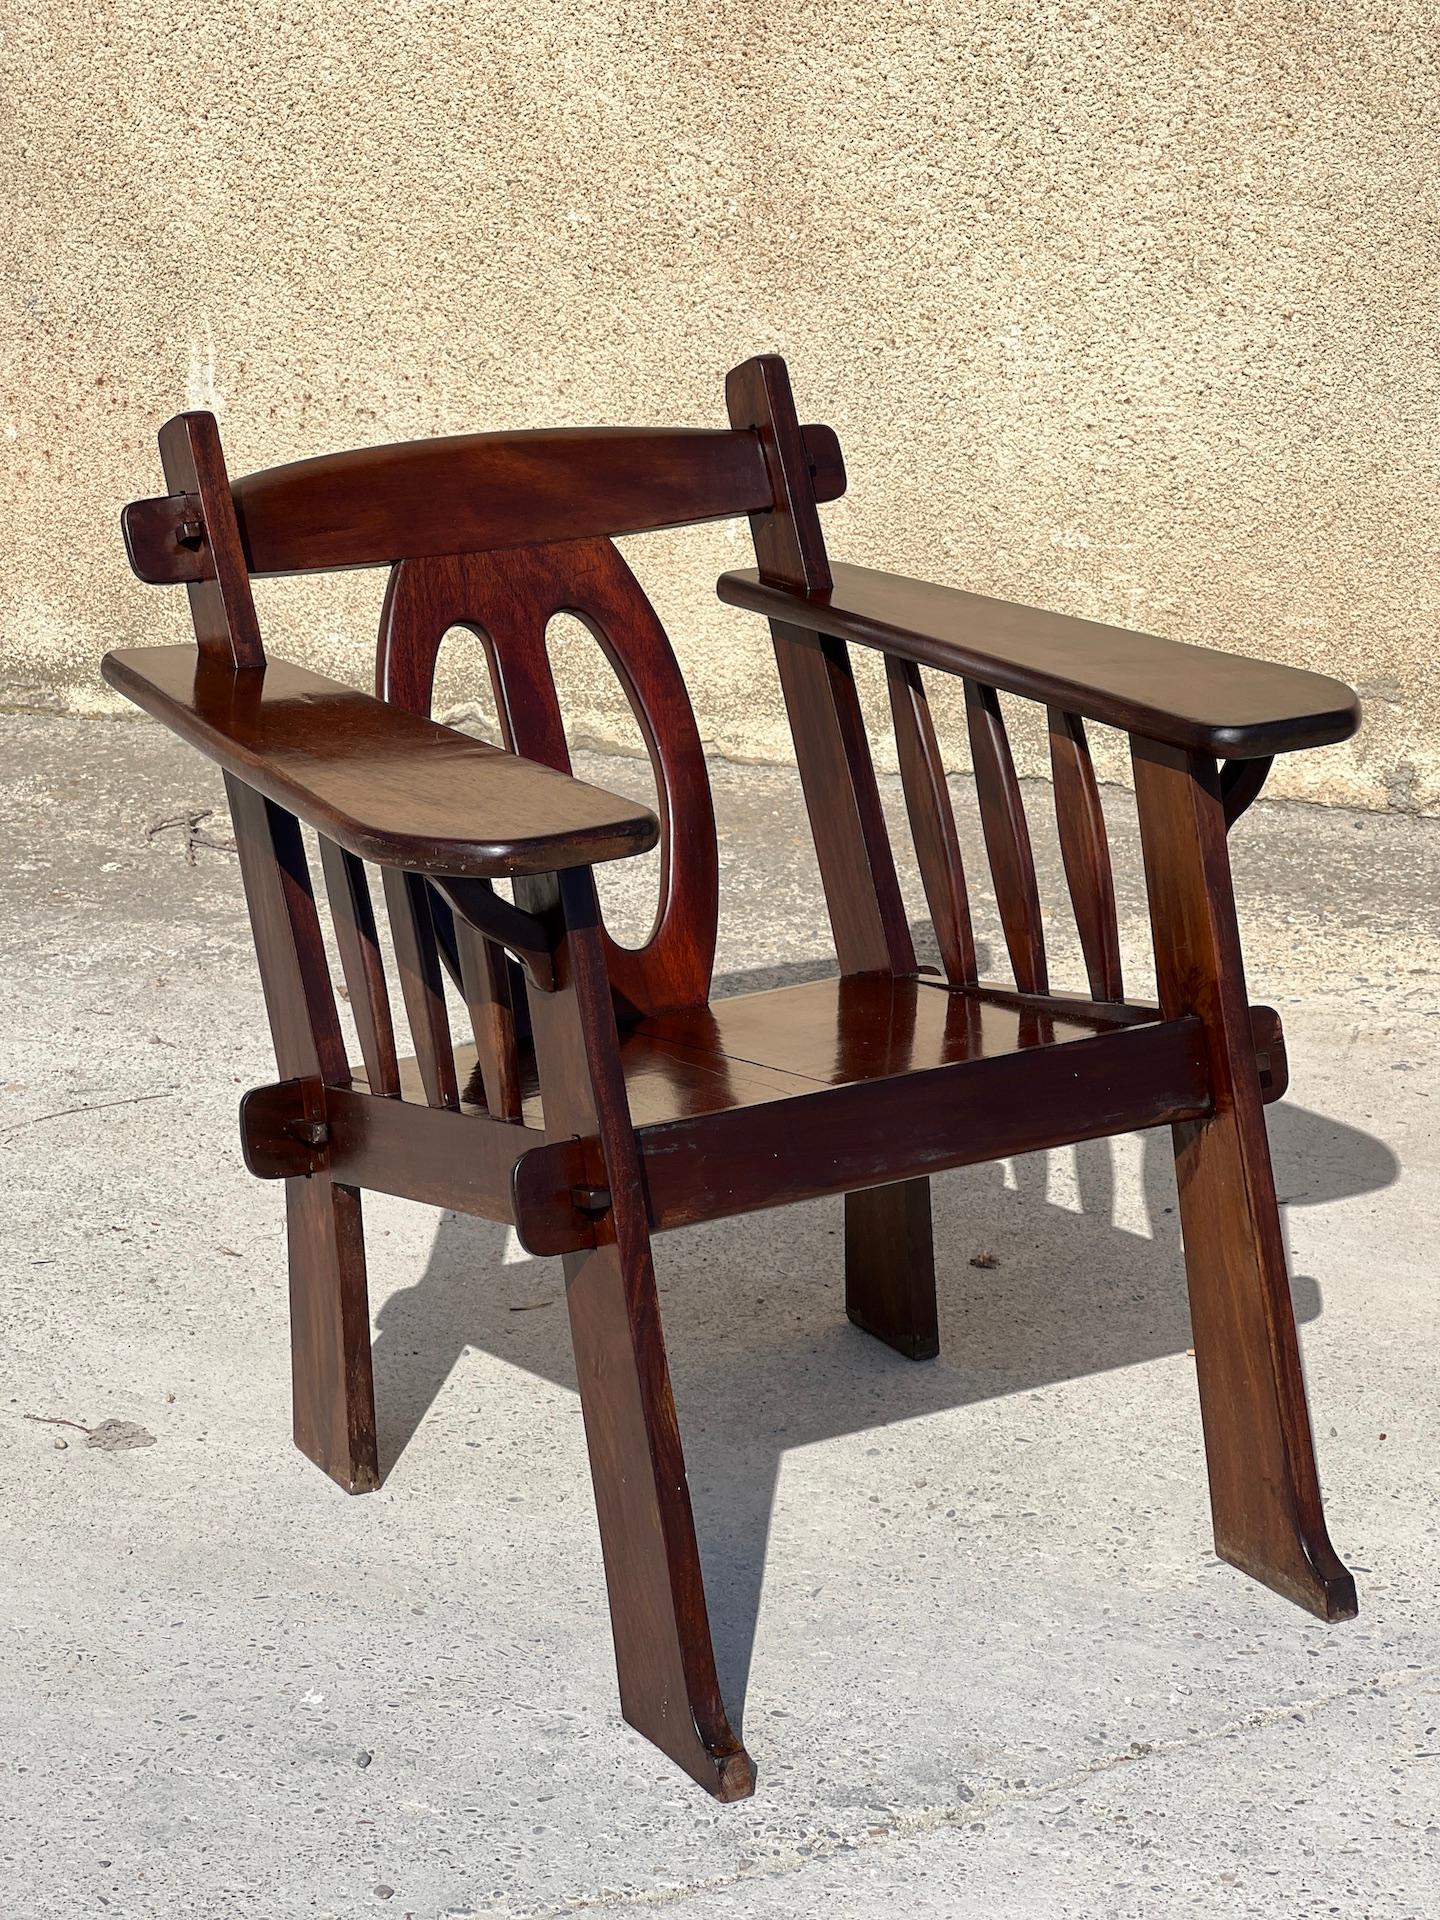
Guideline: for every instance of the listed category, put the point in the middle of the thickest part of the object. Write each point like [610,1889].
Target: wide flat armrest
[1191,697]
[384,784]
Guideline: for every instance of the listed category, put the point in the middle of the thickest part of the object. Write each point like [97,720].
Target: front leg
[1264,1486]
[669,1689]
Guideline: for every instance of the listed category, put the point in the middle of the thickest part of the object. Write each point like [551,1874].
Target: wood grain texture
[1194,697]
[363,965]
[485,982]
[334,1393]
[608,1098]
[1007,838]
[222,608]
[475,493]
[1264,1486]
[789,546]
[417,957]
[508,599]
[1085,853]
[890,1268]
[932,820]
[847,823]
[386,785]
[669,1688]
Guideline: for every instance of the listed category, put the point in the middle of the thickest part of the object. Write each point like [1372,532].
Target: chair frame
[498,533]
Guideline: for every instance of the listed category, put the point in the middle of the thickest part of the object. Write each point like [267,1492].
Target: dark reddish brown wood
[932,820]
[1196,697]
[1264,1486]
[164,540]
[334,1394]
[889,1297]
[669,1689]
[784,525]
[1085,851]
[637,1104]
[1240,784]
[386,785]
[887,1128]
[362,964]
[281,1135]
[221,606]
[418,958]
[847,822]
[508,600]
[485,982]
[1007,838]
[474,492]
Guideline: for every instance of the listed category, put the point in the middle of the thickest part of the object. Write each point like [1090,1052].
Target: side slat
[932,820]
[1085,850]
[485,982]
[1007,838]
[407,896]
[362,964]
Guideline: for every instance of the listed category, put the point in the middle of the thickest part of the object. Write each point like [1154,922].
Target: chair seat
[834,1085]
[795,1040]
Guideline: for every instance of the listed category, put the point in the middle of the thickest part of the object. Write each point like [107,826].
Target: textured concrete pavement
[990,1664]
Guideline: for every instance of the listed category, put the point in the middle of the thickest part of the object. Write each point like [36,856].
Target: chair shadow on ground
[764,1360]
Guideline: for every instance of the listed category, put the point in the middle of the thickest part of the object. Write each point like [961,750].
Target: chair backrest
[497,534]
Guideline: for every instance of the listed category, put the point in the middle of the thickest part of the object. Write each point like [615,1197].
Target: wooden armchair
[605,1098]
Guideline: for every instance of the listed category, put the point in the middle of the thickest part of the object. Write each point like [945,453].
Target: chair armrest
[384,784]
[1191,697]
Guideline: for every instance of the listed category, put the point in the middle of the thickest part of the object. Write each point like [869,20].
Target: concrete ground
[990,1665]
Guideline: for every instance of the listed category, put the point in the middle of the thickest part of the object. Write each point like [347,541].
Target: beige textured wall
[1124,309]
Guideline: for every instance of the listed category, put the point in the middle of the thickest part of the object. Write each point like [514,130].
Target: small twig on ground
[54,1420]
[190,823]
[100,1106]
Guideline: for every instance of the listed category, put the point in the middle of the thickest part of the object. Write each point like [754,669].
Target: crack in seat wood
[601,1095]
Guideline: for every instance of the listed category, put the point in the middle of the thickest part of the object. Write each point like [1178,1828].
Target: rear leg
[890,1267]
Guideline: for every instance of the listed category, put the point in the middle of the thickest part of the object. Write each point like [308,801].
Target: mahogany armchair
[605,1097]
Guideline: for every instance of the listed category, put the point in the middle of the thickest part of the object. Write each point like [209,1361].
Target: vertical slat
[857,868]
[932,819]
[1085,850]
[485,982]
[363,967]
[889,1250]
[1007,838]
[407,895]
[221,606]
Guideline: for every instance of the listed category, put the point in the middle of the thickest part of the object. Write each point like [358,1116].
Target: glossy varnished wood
[206,537]
[932,819]
[669,1688]
[387,786]
[1195,697]
[607,1098]
[1007,838]
[358,940]
[478,492]
[417,956]
[889,1257]
[1264,1486]
[1085,853]
[508,600]
[333,1388]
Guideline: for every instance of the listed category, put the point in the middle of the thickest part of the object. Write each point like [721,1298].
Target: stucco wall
[1122,309]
